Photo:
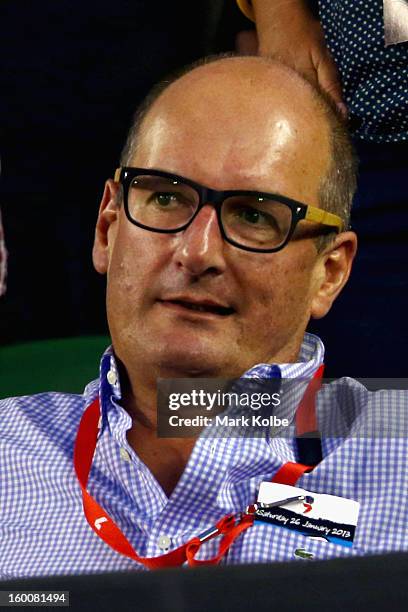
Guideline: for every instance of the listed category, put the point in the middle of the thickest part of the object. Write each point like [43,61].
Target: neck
[165,457]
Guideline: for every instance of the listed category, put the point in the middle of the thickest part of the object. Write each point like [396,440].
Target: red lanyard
[230,527]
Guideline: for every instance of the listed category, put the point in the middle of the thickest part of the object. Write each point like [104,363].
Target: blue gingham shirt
[43,530]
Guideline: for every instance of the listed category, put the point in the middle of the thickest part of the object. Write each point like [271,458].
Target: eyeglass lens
[249,220]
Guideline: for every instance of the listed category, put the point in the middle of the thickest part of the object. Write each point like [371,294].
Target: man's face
[233,132]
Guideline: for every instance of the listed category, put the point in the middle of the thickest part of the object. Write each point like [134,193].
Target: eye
[165,199]
[252,216]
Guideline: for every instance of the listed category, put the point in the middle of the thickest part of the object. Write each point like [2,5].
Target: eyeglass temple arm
[322,216]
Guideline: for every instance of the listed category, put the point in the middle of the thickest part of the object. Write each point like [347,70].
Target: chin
[185,363]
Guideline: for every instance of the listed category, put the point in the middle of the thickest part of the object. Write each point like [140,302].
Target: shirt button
[164,542]
[112,378]
[124,454]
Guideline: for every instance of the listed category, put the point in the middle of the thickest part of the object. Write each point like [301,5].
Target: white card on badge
[318,515]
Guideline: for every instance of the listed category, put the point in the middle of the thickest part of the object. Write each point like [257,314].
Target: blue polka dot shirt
[374,77]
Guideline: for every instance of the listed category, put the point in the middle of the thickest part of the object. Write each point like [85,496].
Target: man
[197,288]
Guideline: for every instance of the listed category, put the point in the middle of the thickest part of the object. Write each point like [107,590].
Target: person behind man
[215,281]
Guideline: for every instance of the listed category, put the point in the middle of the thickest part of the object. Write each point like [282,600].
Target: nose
[201,245]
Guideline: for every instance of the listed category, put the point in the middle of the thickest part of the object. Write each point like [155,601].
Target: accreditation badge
[316,515]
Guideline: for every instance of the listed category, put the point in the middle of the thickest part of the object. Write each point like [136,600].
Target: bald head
[250,115]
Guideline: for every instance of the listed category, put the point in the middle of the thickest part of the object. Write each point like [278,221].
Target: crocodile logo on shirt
[303,554]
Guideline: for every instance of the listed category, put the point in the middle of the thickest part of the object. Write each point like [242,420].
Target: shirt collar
[310,358]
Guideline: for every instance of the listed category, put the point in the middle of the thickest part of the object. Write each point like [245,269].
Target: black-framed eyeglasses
[251,220]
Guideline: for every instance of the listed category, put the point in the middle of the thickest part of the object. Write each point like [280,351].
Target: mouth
[201,307]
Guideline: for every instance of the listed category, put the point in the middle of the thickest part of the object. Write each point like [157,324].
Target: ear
[334,266]
[106,226]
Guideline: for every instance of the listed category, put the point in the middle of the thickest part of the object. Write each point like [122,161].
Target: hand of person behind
[289,32]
